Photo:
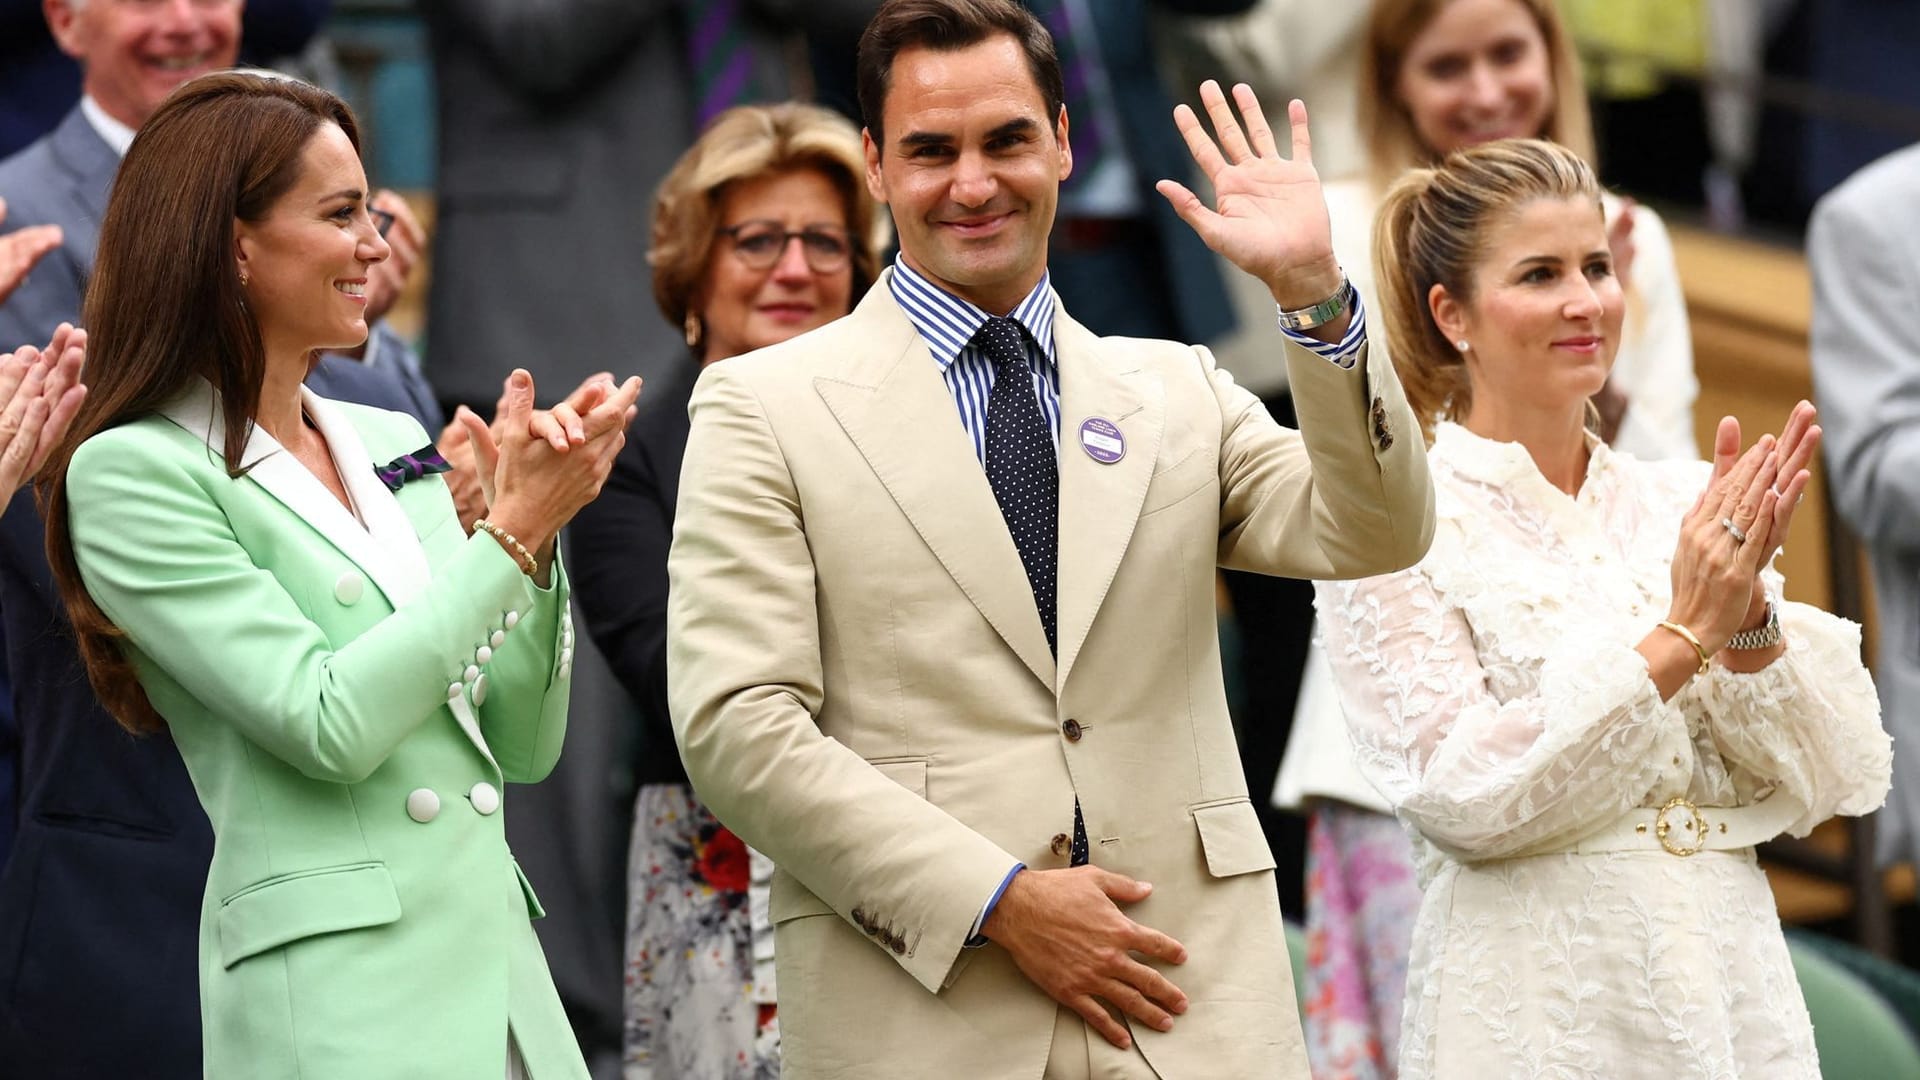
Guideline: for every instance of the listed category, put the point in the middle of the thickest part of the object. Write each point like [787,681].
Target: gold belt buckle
[1695,824]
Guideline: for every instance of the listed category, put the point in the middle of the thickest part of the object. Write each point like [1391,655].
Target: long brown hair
[1431,230]
[165,304]
[1393,146]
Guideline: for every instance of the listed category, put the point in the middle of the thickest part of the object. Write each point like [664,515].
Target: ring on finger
[1739,534]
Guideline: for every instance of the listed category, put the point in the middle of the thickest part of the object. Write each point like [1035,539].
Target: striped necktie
[720,59]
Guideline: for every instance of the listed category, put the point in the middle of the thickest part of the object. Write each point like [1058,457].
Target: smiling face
[306,261]
[135,52]
[742,308]
[1543,321]
[971,169]
[1478,72]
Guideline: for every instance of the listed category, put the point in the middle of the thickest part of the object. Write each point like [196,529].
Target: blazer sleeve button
[898,945]
[1062,843]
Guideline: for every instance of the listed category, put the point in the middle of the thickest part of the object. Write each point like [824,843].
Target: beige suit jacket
[862,689]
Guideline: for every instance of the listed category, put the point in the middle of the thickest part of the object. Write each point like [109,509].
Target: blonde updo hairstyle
[1432,228]
[1393,146]
[747,143]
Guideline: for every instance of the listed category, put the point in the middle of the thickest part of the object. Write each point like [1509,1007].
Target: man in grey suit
[63,180]
[1864,249]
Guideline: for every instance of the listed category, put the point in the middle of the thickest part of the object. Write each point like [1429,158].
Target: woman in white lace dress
[1589,700]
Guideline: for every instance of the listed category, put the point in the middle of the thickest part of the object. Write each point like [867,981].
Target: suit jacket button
[349,588]
[1072,730]
[898,945]
[485,797]
[1062,843]
[423,805]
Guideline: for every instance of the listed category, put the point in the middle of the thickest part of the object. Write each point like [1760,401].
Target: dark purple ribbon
[422,462]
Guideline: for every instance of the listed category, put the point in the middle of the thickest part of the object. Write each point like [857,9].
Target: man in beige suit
[942,614]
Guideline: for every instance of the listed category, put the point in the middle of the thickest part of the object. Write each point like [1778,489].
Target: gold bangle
[1687,635]
[519,550]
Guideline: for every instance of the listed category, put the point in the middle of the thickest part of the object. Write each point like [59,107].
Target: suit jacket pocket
[908,772]
[289,907]
[1230,835]
[1179,480]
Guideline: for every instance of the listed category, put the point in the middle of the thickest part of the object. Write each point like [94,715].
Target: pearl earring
[1462,345]
[243,277]
[692,327]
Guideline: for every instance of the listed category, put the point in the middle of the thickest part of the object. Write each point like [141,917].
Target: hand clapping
[40,390]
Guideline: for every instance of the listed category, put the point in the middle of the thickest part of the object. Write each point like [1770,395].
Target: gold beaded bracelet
[1687,634]
[519,550]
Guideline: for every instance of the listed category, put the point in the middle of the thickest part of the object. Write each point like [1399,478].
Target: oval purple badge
[1102,441]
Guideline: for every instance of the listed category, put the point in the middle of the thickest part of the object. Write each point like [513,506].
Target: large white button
[485,798]
[482,655]
[480,690]
[512,620]
[423,805]
[350,588]
[498,639]
[472,673]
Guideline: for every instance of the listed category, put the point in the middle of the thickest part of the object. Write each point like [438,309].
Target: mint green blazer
[350,700]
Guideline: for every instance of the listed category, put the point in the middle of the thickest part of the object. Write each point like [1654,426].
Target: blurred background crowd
[540,177]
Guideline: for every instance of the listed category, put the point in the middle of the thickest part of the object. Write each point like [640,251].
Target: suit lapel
[283,477]
[1099,503]
[896,409]
[400,567]
[90,165]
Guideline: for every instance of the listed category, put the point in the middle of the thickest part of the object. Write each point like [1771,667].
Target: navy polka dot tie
[1020,462]
[1025,475]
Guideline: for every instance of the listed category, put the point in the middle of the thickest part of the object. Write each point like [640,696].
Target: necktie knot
[1004,342]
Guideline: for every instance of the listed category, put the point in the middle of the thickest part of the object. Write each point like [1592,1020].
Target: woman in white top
[1436,76]
[1589,700]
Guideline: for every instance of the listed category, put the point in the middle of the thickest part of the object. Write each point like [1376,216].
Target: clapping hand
[40,391]
[471,487]
[1270,216]
[21,249]
[1799,441]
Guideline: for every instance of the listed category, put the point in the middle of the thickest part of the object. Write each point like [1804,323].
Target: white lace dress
[1495,696]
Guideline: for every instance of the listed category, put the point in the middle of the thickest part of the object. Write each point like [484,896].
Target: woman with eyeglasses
[764,230]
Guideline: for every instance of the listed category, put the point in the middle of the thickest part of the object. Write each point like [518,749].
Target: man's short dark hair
[946,26]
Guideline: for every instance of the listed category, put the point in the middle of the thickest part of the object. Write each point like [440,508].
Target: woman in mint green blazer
[281,581]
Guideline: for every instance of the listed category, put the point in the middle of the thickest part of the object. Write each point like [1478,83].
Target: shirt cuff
[1344,353]
[975,938]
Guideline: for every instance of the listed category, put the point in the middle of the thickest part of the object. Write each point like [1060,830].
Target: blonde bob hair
[1432,229]
[747,143]
[1394,146]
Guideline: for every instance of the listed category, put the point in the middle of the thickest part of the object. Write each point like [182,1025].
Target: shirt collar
[116,134]
[948,323]
[1506,464]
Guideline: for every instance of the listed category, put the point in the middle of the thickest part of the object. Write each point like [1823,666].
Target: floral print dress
[699,964]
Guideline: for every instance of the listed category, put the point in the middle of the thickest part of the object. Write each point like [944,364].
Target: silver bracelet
[1764,636]
[1322,313]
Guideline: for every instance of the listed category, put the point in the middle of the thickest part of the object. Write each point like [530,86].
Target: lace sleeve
[1808,723]
[1481,777]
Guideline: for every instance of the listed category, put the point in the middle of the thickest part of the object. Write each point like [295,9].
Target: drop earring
[243,277]
[693,330]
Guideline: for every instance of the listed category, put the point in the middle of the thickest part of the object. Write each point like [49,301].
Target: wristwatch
[1764,636]
[1319,314]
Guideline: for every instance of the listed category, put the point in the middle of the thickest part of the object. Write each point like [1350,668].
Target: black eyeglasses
[382,221]
[759,244]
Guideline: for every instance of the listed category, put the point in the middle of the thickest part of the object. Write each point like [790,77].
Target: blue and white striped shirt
[948,323]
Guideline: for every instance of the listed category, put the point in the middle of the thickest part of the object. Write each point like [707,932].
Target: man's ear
[1066,147]
[64,23]
[871,150]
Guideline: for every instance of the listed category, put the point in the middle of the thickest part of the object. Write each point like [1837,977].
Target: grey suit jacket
[566,116]
[64,179]
[1864,250]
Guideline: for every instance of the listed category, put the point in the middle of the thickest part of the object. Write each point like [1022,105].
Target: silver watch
[1764,636]
[1319,314]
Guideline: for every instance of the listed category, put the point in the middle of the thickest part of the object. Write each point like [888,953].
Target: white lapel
[399,555]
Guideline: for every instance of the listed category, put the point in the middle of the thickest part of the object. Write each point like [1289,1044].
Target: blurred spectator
[39,82]
[726,269]
[1439,75]
[1864,249]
